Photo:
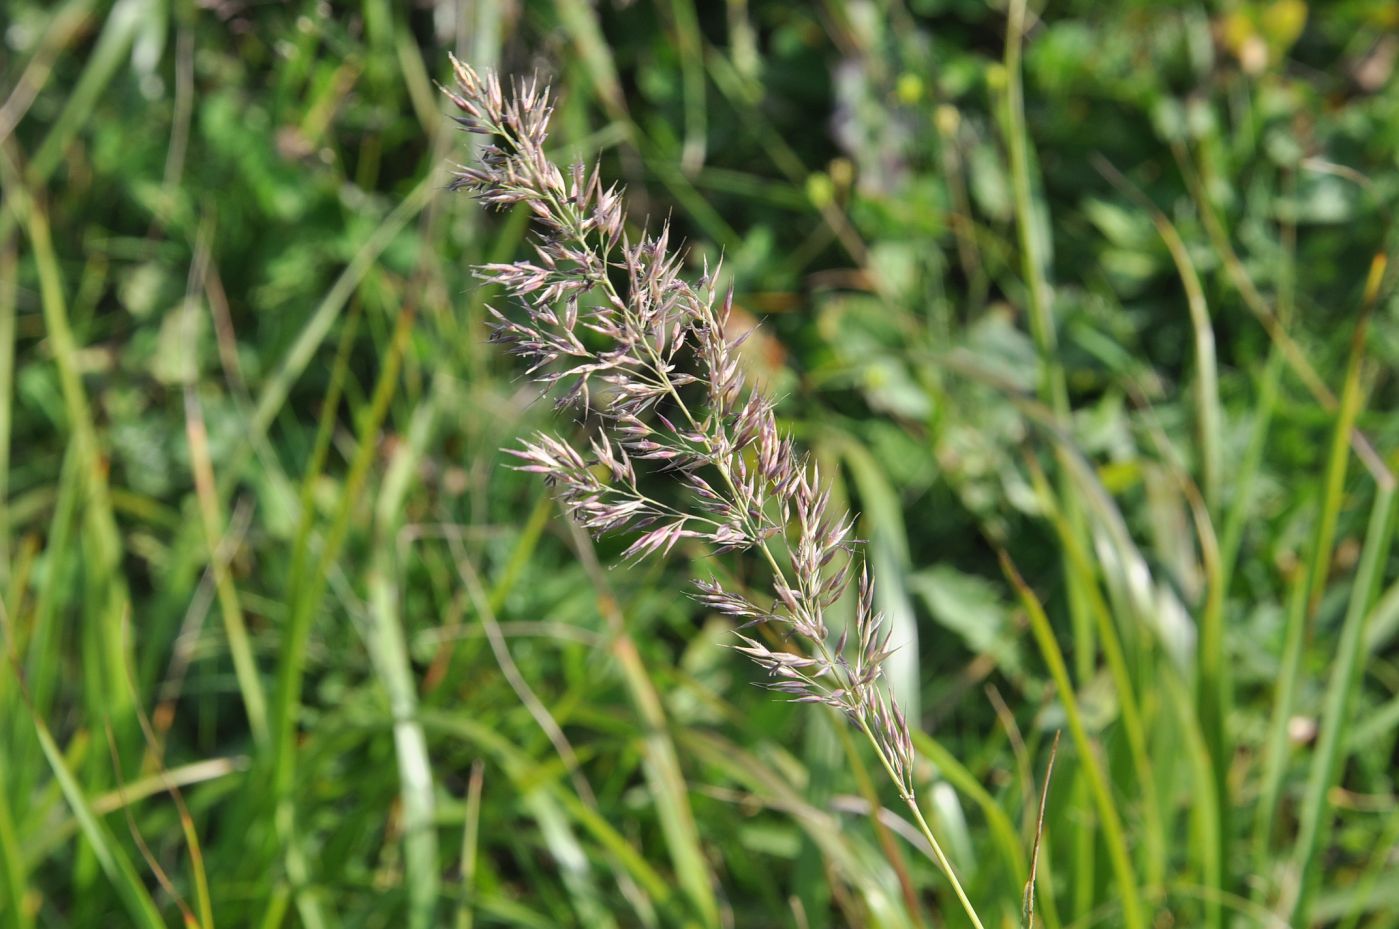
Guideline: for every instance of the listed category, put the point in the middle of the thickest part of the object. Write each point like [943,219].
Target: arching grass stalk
[611,327]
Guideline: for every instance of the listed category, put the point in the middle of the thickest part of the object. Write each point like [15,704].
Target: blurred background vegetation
[1093,329]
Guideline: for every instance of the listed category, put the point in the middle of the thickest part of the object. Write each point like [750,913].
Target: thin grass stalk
[1351,654]
[955,773]
[305,596]
[1028,899]
[1053,388]
[1302,604]
[39,654]
[470,846]
[573,864]
[12,861]
[101,542]
[869,792]
[1272,323]
[1154,839]
[911,800]
[14,871]
[17,911]
[660,762]
[1208,824]
[9,306]
[245,668]
[1133,916]
[1344,680]
[115,864]
[1214,687]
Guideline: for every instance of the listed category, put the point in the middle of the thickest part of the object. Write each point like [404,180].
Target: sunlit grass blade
[660,763]
[1133,916]
[17,904]
[863,868]
[388,653]
[115,863]
[236,628]
[470,846]
[386,646]
[1154,848]
[553,809]
[1344,679]
[689,45]
[1301,607]
[1002,829]
[304,600]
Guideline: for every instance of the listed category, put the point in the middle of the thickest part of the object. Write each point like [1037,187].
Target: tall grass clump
[614,330]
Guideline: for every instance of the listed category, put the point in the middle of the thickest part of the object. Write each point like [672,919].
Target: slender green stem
[1331,750]
[1095,778]
[911,799]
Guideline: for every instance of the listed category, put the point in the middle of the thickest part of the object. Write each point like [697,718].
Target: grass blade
[388,652]
[1344,678]
[660,764]
[1114,836]
[115,863]
[305,598]
[1302,605]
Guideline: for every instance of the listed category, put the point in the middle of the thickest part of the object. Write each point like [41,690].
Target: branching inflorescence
[614,330]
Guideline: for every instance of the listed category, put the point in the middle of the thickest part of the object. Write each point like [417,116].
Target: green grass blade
[9,286]
[1154,841]
[305,599]
[660,763]
[957,774]
[1344,679]
[388,654]
[390,659]
[235,626]
[470,846]
[16,911]
[689,46]
[580,23]
[1301,607]
[115,863]
[1133,916]
[123,21]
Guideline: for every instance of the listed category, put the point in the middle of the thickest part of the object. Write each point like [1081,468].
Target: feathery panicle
[611,327]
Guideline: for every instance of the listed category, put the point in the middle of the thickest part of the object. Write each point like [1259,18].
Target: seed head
[609,324]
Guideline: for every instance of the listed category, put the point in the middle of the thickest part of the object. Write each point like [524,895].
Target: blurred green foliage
[288,644]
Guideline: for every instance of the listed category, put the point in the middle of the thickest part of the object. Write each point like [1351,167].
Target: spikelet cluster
[611,327]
